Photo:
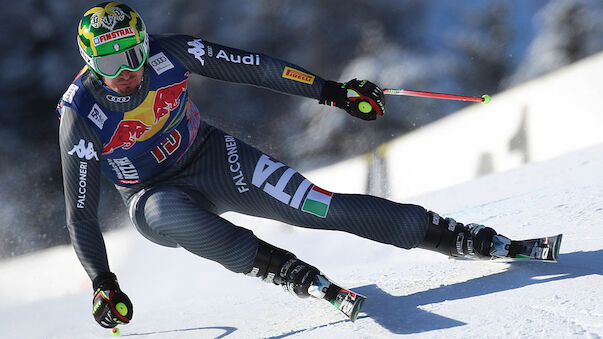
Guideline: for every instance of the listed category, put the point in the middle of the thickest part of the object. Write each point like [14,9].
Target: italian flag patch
[317,202]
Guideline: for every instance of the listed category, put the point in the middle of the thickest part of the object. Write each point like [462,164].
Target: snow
[416,292]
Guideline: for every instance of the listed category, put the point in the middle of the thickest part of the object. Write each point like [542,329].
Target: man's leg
[177,216]
[237,177]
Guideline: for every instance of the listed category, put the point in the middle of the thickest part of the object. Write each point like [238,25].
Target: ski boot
[275,265]
[446,236]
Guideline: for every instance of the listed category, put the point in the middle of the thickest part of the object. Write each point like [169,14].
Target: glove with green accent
[360,98]
[110,306]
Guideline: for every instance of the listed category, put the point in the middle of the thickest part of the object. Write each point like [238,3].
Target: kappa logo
[97,116]
[84,151]
[197,49]
[160,63]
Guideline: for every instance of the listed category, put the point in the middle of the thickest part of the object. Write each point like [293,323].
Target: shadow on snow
[227,331]
[402,315]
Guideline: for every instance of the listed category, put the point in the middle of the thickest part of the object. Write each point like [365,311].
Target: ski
[348,302]
[543,249]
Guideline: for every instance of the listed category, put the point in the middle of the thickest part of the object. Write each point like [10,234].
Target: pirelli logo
[293,74]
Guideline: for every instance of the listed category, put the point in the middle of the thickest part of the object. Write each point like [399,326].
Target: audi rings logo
[117,99]
[158,61]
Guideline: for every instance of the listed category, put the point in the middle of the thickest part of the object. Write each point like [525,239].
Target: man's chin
[128,90]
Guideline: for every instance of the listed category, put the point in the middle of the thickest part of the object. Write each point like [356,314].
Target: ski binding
[544,249]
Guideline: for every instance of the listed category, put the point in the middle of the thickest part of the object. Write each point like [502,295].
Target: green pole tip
[486,98]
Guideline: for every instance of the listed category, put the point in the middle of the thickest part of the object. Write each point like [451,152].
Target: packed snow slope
[410,293]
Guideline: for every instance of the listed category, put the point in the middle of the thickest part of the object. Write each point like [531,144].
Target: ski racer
[128,115]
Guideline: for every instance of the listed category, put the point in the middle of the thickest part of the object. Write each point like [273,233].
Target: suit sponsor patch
[295,75]
[160,63]
[97,116]
[70,93]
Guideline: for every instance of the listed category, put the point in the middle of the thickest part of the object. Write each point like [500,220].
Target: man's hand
[110,306]
[361,98]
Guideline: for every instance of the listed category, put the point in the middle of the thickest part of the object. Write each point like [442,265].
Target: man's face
[126,83]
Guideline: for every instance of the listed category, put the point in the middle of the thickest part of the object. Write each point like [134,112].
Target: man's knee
[149,209]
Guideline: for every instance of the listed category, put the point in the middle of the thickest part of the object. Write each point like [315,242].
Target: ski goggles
[110,66]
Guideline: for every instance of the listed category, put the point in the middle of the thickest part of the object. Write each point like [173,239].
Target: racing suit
[177,174]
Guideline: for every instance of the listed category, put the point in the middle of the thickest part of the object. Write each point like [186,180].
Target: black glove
[110,306]
[361,98]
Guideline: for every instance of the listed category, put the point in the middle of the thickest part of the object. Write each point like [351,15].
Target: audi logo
[117,99]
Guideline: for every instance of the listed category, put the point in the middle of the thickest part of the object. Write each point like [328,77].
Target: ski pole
[484,99]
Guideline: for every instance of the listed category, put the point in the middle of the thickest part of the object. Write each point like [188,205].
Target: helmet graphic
[112,37]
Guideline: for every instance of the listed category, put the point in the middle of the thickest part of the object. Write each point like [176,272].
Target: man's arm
[235,65]
[80,149]
[81,180]
[362,99]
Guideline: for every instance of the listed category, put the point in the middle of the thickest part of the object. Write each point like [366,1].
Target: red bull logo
[149,118]
[126,134]
[167,99]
